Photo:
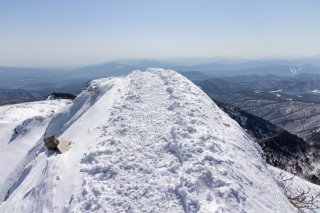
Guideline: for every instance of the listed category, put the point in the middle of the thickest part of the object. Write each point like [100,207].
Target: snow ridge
[167,155]
[148,142]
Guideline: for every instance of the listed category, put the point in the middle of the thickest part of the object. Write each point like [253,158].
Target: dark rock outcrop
[58,145]
[51,143]
[57,95]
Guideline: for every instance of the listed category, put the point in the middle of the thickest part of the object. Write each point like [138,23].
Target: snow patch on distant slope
[295,69]
[148,142]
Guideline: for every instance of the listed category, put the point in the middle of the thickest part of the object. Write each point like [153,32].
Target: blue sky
[57,33]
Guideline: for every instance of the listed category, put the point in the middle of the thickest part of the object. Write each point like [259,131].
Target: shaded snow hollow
[148,142]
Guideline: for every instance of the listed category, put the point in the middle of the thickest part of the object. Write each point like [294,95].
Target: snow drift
[148,142]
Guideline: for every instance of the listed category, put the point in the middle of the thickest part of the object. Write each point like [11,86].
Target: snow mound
[148,142]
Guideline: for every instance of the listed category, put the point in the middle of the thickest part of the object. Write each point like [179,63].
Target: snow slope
[147,142]
[21,126]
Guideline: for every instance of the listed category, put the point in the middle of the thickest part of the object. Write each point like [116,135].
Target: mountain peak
[149,141]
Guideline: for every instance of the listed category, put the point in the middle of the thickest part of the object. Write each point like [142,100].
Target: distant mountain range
[12,96]
[302,87]
[279,68]
[122,67]
[290,102]
[227,75]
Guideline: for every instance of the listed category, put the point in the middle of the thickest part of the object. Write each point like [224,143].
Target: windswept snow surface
[21,126]
[148,142]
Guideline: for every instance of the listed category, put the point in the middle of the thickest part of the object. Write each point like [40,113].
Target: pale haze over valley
[79,32]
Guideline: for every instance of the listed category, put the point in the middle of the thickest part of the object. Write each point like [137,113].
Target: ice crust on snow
[148,142]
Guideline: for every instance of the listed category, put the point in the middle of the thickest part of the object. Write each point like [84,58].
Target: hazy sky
[76,32]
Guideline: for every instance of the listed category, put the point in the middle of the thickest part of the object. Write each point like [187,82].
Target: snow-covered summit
[148,142]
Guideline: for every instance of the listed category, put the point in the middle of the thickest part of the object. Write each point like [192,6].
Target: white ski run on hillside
[148,142]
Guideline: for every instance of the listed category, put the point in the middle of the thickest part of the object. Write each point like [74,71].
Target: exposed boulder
[52,143]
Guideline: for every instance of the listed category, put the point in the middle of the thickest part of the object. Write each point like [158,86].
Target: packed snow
[148,142]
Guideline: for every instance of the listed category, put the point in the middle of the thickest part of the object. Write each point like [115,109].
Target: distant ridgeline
[56,95]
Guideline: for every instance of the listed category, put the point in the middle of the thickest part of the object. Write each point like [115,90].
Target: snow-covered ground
[147,142]
[21,126]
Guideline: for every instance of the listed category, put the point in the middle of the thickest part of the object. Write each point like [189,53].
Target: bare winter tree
[301,198]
